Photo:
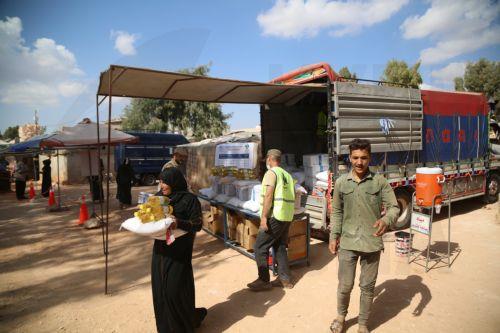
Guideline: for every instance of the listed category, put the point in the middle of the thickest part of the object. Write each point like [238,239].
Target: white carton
[312,171]
[242,155]
[315,159]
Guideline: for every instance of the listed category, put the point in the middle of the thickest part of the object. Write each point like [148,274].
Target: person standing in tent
[124,180]
[46,177]
[96,184]
[172,279]
[20,175]
[277,210]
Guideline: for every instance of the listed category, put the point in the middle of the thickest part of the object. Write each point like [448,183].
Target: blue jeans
[276,237]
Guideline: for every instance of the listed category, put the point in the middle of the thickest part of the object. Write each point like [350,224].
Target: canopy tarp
[85,134]
[31,144]
[148,83]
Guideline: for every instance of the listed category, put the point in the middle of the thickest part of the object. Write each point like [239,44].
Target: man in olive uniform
[277,210]
[178,160]
[357,229]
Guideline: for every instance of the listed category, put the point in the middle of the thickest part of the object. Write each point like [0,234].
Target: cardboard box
[232,234]
[240,233]
[233,219]
[217,226]
[207,217]
[249,242]
[252,226]
[297,228]
[297,247]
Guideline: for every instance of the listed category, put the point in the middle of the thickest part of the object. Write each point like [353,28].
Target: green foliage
[197,119]
[459,84]
[346,73]
[11,132]
[482,76]
[399,73]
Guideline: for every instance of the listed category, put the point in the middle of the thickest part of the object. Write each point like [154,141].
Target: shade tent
[148,83]
[123,81]
[83,135]
[32,144]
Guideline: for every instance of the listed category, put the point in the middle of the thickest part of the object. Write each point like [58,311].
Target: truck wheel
[148,180]
[403,198]
[492,185]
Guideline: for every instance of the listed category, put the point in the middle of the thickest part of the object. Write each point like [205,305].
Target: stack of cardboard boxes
[213,220]
[244,231]
[241,230]
[297,240]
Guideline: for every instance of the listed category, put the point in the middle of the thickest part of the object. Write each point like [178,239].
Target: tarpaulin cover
[31,144]
[86,135]
[148,83]
[455,127]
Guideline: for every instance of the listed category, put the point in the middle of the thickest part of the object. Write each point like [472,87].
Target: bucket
[403,243]
[429,184]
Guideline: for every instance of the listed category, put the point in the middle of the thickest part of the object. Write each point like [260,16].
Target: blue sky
[51,52]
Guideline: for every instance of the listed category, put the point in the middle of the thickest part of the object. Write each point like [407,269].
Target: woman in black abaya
[172,278]
[124,180]
[46,178]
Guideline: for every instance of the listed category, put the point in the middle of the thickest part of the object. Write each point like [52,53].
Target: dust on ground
[52,278]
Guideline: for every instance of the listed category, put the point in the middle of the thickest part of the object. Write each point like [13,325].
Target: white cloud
[71,88]
[306,18]
[426,86]
[457,26]
[31,94]
[31,75]
[447,74]
[124,42]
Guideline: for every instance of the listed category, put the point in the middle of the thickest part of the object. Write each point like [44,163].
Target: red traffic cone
[32,191]
[84,212]
[52,197]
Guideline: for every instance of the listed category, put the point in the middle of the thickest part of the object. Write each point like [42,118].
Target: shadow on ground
[393,296]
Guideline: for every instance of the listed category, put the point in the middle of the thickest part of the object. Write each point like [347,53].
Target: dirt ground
[52,279]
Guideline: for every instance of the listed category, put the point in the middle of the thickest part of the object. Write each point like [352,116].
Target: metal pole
[58,187]
[90,178]
[449,230]
[99,172]
[107,168]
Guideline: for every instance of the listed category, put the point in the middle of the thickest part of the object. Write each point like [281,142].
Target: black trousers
[20,188]
[276,237]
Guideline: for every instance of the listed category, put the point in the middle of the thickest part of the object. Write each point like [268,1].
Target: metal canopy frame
[276,93]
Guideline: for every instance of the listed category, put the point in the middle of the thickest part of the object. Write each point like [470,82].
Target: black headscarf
[186,206]
[174,178]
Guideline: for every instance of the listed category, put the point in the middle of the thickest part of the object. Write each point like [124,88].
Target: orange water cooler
[429,185]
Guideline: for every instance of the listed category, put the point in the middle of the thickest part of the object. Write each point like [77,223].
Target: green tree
[11,132]
[197,119]
[459,84]
[482,76]
[346,73]
[399,73]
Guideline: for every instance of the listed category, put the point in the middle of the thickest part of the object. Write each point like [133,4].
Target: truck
[407,127]
[149,154]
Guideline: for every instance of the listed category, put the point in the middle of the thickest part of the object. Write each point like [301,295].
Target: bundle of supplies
[153,219]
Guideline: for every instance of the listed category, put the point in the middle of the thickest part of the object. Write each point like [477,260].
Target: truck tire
[148,179]
[492,185]
[404,202]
